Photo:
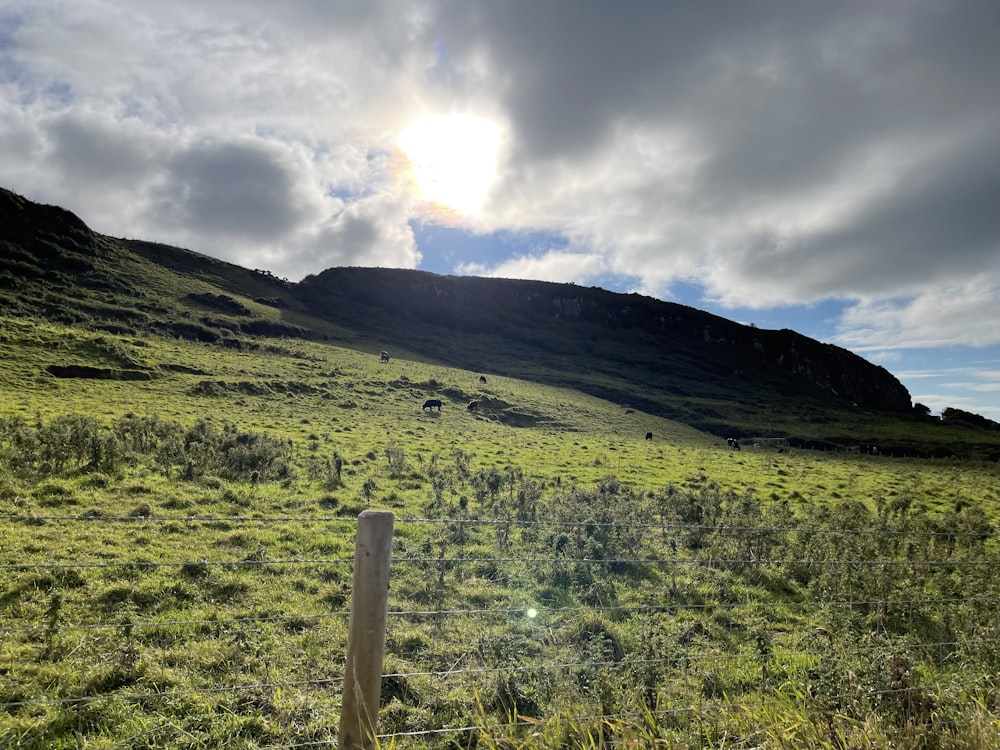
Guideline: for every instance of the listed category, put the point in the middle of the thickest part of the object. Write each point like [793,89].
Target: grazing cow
[630,411]
[733,443]
[482,379]
[473,405]
[431,403]
[649,436]
[384,356]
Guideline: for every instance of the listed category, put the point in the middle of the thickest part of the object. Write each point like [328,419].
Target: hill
[186,447]
[658,357]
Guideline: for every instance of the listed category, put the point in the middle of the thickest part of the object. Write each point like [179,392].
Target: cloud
[774,156]
[844,151]
[372,232]
[932,225]
[946,315]
[237,190]
[82,159]
[555,265]
[90,148]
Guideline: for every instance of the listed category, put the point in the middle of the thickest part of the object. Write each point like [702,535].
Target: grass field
[178,529]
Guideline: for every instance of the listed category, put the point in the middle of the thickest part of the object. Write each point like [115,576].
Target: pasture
[178,533]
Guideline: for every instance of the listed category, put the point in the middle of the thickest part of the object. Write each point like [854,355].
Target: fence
[673,629]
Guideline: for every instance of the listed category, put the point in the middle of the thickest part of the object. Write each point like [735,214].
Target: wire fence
[672,626]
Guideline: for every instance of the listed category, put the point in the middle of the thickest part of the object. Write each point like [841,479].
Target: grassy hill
[185,446]
[660,358]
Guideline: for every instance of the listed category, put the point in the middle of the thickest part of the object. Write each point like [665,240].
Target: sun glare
[452,159]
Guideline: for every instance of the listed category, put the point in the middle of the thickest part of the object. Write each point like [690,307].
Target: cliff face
[839,371]
[630,331]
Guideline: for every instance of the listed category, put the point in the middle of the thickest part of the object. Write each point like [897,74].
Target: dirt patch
[222,302]
[184,369]
[97,373]
[514,418]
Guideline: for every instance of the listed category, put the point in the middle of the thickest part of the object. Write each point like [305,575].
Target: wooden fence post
[366,638]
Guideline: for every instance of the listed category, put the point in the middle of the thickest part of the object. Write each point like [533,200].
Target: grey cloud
[943,221]
[939,224]
[864,84]
[569,71]
[573,71]
[372,231]
[90,149]
[354,235]
[81,158]
[770,114]
[239,190]
[789,112]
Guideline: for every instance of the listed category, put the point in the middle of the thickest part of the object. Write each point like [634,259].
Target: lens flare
[452,159]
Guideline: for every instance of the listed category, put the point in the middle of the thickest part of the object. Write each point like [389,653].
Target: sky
[830,167]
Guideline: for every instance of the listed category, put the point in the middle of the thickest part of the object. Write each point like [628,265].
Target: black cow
[733,444]
[473,405]
[384,356]
[482,379]
[431,403]
[649,436]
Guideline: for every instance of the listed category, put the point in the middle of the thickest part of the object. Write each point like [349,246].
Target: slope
[658,357]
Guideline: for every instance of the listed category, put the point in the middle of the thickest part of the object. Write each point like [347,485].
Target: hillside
[658,357]
[661,357]
[187,449]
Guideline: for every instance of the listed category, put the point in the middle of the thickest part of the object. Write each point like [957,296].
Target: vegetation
[182,545]
[184,450]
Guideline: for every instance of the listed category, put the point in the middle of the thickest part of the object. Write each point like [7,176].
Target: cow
[384,356]
[482,379]
[473,405]
[649,436]
[733,444]
[431,403]
[630,411]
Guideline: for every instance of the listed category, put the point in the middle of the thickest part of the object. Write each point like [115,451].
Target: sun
[452,159]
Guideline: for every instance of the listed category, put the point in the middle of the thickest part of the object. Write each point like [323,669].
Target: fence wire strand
[98,518]
[540,612]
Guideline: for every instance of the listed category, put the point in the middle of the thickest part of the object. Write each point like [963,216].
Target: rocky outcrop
[579,323]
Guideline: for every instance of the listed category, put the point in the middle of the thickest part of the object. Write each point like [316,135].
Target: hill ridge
[667,359]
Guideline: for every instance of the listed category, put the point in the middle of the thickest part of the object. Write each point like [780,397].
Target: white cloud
[555,265]
[956,314]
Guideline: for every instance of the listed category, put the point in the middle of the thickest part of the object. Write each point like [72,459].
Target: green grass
[208,586]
